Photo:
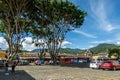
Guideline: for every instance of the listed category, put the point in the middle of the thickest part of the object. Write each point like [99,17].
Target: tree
[114,51]
[39,21]
[57,18]
[66,17]
[13,16]
[42,49]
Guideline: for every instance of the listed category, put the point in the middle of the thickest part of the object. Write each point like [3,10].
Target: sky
[101,25]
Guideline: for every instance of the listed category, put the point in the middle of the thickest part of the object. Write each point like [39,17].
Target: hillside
[71,51]
[65,50]
[102,48]
[97,49]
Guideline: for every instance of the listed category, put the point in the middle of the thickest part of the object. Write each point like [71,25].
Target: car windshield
[107,62]
[93,62]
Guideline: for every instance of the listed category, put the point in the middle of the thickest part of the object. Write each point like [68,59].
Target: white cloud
[83,48]
[102,41]
[118,43]
[85,34]
[91,46]
[64,43]
[113,41]
[88,47]
[100,12]
[3,43]
[118,39]
[28,45]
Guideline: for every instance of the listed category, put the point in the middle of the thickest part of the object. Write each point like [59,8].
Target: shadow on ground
[81,65]
[18,75]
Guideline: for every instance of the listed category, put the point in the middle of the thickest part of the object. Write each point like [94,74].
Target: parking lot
[55,72]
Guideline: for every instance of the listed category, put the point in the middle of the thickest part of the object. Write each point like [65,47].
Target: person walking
[6,68]
[13,66]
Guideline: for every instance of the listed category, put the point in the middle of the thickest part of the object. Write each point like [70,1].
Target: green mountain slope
[102,48]
[71,51]
[98,49]
[65,50]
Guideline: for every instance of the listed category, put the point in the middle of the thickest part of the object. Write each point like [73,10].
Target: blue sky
[101,25]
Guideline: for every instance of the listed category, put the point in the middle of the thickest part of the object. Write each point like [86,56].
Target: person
[51,62]
[13,66]
[58,62]
[6,68]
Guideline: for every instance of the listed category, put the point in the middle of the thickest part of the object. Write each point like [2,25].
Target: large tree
[13,16]
[58,18]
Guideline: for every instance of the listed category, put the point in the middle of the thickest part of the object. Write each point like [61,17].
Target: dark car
[110,64]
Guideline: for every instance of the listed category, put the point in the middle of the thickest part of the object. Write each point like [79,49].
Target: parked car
[39,62]
[25,62]
[110,64]
[95,64]
[82,61]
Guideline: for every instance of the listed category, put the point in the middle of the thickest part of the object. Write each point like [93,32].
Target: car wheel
[114,68]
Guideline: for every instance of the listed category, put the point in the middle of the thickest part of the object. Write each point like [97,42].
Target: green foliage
[66,50]
[46,19]
[114,51]
[72,51]
[13,16]
[52,12]
[52,19]
[102,48]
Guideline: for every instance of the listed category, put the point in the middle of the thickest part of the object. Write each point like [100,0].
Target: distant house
[88,53]
[100,55]
[2,54]
[114,56]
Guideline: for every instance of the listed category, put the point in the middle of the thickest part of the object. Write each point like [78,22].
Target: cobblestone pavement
[47,72]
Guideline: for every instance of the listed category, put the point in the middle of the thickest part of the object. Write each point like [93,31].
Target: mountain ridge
[97,49]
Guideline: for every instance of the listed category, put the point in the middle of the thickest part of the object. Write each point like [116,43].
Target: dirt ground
[48,72]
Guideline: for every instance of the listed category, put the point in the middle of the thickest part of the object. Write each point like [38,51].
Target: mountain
[102,48]
[97,49]
[36,50]
[71,51]
[65,50]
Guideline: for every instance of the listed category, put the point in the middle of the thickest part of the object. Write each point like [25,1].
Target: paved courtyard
[47,72]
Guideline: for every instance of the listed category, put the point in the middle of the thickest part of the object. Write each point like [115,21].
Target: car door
[116,64]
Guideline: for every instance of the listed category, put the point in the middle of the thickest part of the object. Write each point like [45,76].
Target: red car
[39,62]
[111,64]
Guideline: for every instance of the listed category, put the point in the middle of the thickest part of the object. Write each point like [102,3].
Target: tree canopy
[49,20]
[53,21]
[13,22]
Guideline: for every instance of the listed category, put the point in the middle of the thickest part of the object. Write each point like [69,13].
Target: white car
[95,64]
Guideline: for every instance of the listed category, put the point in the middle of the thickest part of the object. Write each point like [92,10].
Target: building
[2,54]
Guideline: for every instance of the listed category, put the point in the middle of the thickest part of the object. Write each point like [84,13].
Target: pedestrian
[58,62]
[51,62]
[6,68]
[13,66]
